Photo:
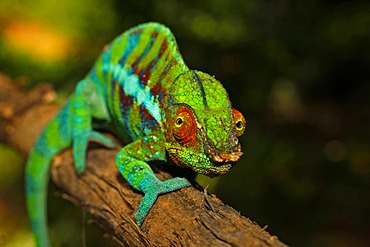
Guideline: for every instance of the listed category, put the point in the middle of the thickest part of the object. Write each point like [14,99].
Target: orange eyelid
[239,117]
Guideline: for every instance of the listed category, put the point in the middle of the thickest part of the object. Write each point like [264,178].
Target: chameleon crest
[141,86]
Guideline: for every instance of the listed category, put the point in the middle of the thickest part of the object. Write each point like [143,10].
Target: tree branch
[187,217]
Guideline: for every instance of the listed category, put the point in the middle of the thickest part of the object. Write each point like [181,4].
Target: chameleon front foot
[152,189]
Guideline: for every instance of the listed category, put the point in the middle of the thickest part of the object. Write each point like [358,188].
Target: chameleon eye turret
[184,127]
[240,122]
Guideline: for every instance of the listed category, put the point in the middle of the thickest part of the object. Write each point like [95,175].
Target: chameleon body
[140,85]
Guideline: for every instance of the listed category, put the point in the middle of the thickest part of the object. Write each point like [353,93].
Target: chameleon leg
[130,163]
[84,111]
[102,139]
[79,146]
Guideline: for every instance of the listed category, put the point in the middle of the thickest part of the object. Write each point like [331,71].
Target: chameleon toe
[102,139]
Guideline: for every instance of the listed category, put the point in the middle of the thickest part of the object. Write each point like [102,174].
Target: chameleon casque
[140,85]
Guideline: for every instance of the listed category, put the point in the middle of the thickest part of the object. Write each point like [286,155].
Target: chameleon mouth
[223,162]
[227,157]
[199,163]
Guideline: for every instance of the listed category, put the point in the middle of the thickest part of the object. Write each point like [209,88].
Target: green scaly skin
[140,85]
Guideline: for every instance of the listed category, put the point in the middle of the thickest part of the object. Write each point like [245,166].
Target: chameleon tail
[55,137]
[37,172]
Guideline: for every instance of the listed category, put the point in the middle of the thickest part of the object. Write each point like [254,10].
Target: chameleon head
[203,126]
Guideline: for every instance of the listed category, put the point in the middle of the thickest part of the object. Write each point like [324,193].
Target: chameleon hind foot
[80,143]
[152,189]
[102,139]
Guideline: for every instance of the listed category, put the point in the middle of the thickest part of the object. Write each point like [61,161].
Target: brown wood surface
[188,217]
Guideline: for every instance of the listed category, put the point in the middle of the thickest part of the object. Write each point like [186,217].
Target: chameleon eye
[178,122]
[240,123]
[184,125]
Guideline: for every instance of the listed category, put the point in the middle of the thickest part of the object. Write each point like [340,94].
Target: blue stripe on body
[64,119]
[155,60]
[106,58]
[132,42]
[146,50]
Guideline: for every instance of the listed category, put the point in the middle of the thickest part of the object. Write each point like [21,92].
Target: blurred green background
[298,70]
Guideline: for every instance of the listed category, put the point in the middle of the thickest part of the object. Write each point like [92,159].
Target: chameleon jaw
[225,157]
[222,162]
[201,164]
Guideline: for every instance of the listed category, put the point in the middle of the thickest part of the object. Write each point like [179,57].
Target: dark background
[299,71]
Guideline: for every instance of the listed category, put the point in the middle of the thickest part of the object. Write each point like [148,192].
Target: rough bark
[188,217]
